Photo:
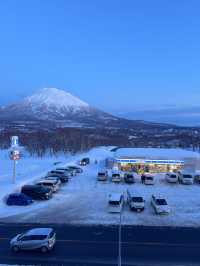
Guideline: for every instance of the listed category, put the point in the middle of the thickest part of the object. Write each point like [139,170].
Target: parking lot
[84,200]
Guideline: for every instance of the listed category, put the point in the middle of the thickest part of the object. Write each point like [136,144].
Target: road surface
[98,245]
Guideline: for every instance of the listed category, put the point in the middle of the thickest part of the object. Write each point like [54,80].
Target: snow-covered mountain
[52,104]
[61,109]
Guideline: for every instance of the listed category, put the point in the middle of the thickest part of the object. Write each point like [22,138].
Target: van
[115,202]
[135,202]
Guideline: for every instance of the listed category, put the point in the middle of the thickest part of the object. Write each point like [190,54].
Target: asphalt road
[98,245]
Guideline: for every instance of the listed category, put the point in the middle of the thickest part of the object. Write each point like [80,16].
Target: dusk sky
[116,55]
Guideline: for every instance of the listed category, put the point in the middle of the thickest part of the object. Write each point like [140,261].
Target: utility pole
[14,171]
[119,237]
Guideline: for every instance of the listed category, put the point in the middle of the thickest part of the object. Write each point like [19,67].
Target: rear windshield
[116,175]
[101,174]
[187,176]
[114,203]
[173,176]
[129,176]
[137,199]
[161,202]
[149,178]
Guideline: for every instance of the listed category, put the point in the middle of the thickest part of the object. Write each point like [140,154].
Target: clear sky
[116,55]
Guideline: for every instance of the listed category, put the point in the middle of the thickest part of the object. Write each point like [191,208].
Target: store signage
[145,161]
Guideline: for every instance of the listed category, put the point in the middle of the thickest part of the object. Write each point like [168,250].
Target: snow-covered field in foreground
[84,200]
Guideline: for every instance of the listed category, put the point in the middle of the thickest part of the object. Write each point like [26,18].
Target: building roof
[156,153]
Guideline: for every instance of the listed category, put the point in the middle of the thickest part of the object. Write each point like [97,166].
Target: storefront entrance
[150,167]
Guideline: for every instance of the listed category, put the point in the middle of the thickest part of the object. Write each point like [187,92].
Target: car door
[25,242]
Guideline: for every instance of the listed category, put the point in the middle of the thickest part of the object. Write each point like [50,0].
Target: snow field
[84,200]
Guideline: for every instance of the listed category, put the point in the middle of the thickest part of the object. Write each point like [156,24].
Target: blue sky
[116,55]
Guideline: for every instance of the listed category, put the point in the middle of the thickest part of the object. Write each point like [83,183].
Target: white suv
[43,239]
[171,177]
[186,178]
[160,205]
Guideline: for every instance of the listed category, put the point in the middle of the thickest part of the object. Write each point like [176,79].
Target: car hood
[14,239]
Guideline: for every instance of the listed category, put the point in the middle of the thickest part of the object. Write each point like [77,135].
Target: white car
[102,175]
[135,202]
[115,202]
[171,177]
[149,179]
[186,178]
[42,239]
[116,177]
[51,183]
[160,205]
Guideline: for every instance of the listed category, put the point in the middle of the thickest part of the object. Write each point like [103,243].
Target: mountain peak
[53,97]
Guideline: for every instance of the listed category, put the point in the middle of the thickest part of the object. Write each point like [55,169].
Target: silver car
[38,238]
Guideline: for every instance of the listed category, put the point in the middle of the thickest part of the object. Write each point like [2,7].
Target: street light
[120,236]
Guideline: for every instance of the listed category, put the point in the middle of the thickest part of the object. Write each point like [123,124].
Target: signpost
[14,154]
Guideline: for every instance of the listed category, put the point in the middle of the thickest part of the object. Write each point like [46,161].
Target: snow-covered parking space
[84,199]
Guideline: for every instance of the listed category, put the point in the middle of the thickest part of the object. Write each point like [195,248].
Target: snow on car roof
[39,231]
[47,181]
[155,153]
[115,196]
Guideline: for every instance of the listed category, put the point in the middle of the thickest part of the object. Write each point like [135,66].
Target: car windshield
[173,176]
[114,203]
[116,175]
[137,199]
[161,202]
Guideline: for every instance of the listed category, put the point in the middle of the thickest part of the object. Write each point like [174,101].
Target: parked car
[60,172]
[37,192]
[135,202]
[63,179]
[42,239]
[19,199]
[160,205]
[171,177]
[115,202]
[116,177]
[77,169]
[185,178]
[85,161]
[102,175]
[197,178]
[66,171]
[50,183]
[129,178]
[148,179]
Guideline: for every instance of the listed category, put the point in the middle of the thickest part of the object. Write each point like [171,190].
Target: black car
[129,178]
[85,161]
[37,192]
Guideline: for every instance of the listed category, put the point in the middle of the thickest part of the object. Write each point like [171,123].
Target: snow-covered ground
[84,200]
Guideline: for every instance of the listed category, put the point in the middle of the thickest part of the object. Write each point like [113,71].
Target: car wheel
[15,249]
[44,249]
